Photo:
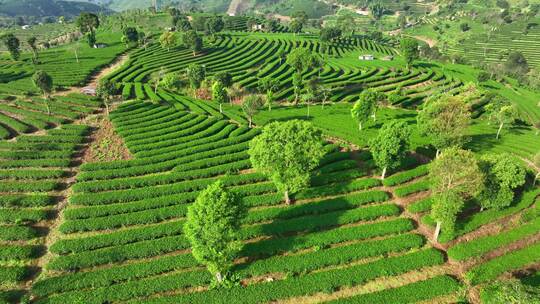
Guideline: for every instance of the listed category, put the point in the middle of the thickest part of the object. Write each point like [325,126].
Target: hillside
[46,8]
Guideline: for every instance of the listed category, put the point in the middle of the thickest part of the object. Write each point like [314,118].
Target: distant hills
[47,8]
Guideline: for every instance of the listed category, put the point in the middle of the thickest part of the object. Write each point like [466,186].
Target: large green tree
[130,35]
[88,23]
[502,112]
[510,292]
[390,146]
[409,50]
[366,106]
[13,45]
[444,122]
[214,25]
[219,94]
[195,73]
[287,152]
[44,83]
[192,41]
[32,43]
[268,86]
[455,176]
[106,91]
[212,228]
[503,174]
[251,105]
[168,40]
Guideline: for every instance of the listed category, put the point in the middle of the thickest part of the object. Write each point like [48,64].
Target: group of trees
[189,39]
[286,153]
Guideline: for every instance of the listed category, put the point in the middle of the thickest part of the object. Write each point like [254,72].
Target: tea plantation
[75,228]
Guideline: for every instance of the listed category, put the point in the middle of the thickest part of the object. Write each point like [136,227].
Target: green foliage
[225,78]
[445,122]
[510,291]
[168,40]
[301,59]
[13,45]
[251,105]
[219,93]
[409,50]
[131,35]
[192,41]
[214,25]
[287,153]
[502,112]
[390,145]
[196,74]
[87,22]
[43,82]
[366,106]
[455,176]
[212,228]
[503,174]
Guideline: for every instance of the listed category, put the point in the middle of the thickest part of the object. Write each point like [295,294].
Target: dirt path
[237,6]
[93,82]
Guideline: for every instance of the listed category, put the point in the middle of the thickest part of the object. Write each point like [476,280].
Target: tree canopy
[455,176]
[409,50]
[212,226]
[192,41]
[445,122]
[503,173]
[390,145]
[287,152]
[13,45]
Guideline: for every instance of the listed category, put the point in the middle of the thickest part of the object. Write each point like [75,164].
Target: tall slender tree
[390,145]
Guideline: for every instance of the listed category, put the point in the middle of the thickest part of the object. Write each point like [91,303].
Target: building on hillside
[25,27]
[367,57]
[100,45]
[257,27]
[388,58]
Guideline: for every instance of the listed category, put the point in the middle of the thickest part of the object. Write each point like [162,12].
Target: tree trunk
[47,106]
[219,277]
[536,178]
[500,129]
[374,116]
[308,110]
[106,107]
[250,123]
[437,153]
[384,173]
[220,108]
[287,198]
[360,126]
[77,57]
[437,231]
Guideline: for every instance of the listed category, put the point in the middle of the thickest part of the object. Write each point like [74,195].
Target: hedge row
[310,283]
[411,293]
[403,177]
[406,190]
[17,233]
[19,252]
[483,245]
[509,262]
[13,274]
[8,215]
[31,174]
[314,208]
[420,206]
[34,200]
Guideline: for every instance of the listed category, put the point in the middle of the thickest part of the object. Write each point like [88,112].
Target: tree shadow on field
[479,142]
[293,227]
[299,117]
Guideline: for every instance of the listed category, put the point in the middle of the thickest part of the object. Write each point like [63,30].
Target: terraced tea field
[77,230]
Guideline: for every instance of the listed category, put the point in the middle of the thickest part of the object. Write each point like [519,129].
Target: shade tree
[409,50]
[88,23]
[219,94]
[168,40]
[251,105]
[106,90]
[444,122]
[192,41]
[32,43]
[212,228]
[390,146]
[195,73]
[501,112]
[455,176]
[287,152]
[44,83]
[13,45]
[130,35]
[503,173]
[268,86]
